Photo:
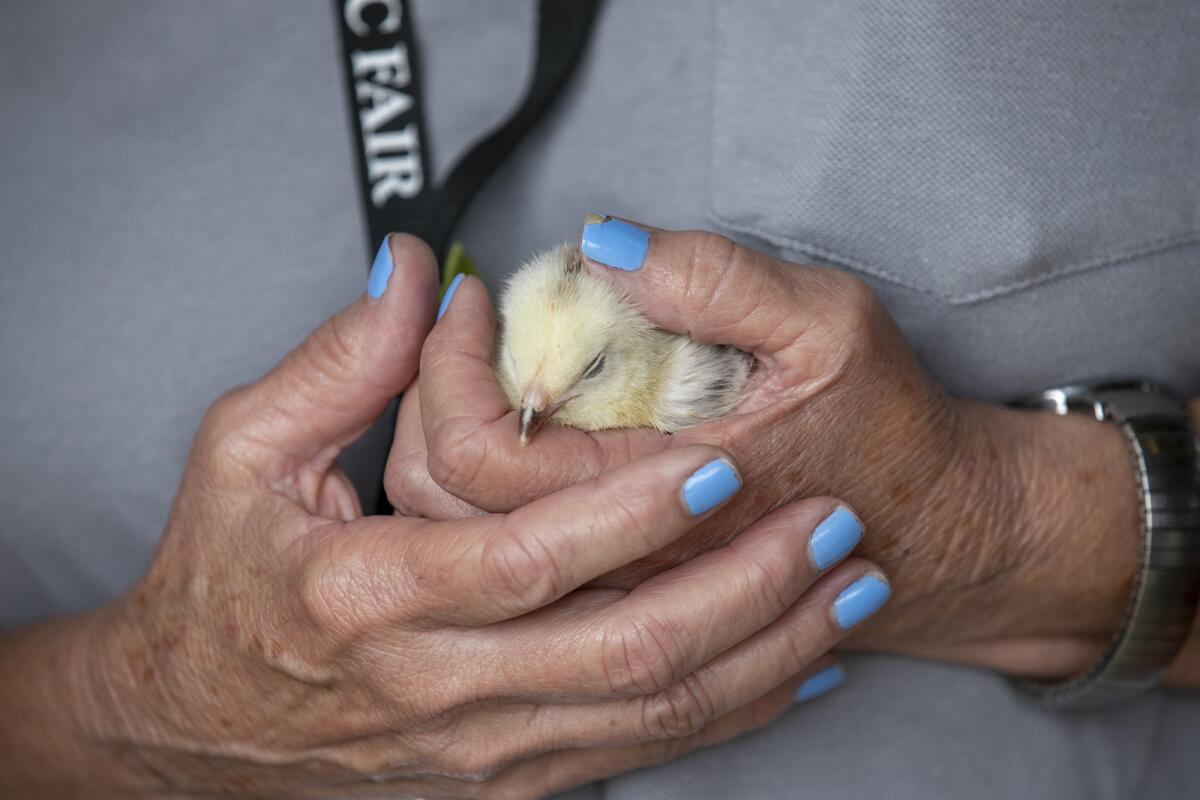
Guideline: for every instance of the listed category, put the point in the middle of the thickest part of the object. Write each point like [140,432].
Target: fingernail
[450,290]
[614,243]
[824,681]
[711,485]
[860,600]
[835,537]
[381,270]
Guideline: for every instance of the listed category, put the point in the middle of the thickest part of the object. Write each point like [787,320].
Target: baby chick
[573,348]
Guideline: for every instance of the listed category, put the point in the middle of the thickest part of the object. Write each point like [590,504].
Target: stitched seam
[718,137]
[1152,247]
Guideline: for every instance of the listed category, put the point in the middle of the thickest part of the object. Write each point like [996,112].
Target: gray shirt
[1019,181]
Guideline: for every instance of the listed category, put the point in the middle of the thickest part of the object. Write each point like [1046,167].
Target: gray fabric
[962,149]
[165,237]
[179,208]
[645,98]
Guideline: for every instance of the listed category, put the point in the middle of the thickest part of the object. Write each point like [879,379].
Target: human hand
[981,515]
[283,644]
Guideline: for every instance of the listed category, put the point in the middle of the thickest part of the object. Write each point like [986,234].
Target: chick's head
[572,347]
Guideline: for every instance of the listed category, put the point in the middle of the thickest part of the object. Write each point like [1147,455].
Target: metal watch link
[1162,605]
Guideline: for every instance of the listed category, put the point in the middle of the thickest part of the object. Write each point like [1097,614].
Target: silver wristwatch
[1162,604]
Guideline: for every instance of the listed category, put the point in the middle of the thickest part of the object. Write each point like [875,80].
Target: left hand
[1009,536]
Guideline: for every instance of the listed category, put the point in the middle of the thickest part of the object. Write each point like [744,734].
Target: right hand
[283,644]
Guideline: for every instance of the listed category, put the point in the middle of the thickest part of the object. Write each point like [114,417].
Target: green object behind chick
[574,348]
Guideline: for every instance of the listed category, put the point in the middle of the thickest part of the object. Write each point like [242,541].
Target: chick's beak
[531,421]
[536,409]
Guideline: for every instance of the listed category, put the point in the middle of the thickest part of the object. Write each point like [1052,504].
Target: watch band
[1162,605]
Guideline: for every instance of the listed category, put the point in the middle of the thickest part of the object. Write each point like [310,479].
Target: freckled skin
[558,319]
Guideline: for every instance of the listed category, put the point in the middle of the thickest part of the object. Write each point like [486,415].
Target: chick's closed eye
[596,367]
[574,349]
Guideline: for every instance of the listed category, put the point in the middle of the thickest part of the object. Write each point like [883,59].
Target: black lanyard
[383,79]
[382,69]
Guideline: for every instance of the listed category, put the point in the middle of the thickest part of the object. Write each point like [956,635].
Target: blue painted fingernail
[614,243]
[711,485]
[824,681]
[860,600]
[450,290]
[381,270]
[835,537]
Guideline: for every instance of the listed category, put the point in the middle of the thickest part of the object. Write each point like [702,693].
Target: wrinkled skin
[980,514]
[283,645]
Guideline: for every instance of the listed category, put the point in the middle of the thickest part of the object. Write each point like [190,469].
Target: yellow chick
[574,348]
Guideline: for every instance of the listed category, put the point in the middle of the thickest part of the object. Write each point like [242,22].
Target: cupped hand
[282,644]
[838,404]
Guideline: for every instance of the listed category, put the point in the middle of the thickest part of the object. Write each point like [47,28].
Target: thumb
[715,290]
[327,392]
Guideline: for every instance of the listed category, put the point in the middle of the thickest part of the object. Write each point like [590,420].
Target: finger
[471,432]
[528,730]
[410,489]
[844,598]
[502,753]
[330,389]
[557,771]
[498,567]
[717,291]
[794,645]
[679,620]
[735,590]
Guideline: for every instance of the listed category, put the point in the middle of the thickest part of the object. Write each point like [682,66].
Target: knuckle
[227,409]
[769,583]
[713,249]
[319,596]
[678,712]
[857,303]
[621,513]
[714,264]
[811,633]
[727,284]
[851,324]
[456,457]
[407,485]
[434,350]
[642,657]
[225,414]
[329,595]
[330,351]
[520,565]
[220,435]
